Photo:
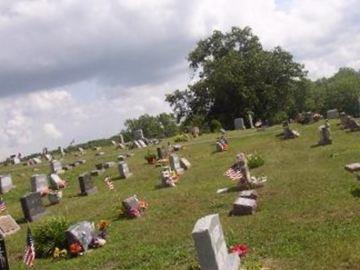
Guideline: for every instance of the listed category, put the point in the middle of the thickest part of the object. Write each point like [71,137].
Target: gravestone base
[244,206]
[89,191]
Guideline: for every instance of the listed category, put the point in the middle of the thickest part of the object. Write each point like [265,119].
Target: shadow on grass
[356,192]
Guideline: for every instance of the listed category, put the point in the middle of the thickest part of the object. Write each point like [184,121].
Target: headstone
[15,160]
[55,197]
[97,148]
[136,144]
[121,139]
[81,232]
[81,150]
[288,132]
[124,170]
[56,182]
[353,167]
[4,263]
[87,186]
[61,151]
[211,247]
[39,183]
[332,114]
[251,120]
[8,226]
[5,184]
[32,206]
[249,194]
[109,164]
[131,202]
[100,154]
[353,125]
[162,152]
[97,172]
[244,206]
[195,131]
[185,164]
[142,143]
[325,136]
[37,160]
[239,123]
[48,157]
[138,134]
[175,164]
[56,166]
[99,166]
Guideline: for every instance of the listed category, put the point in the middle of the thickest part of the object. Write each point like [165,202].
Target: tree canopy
[235,74]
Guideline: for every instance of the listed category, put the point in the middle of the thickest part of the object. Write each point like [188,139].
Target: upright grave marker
[175,164]
[124,170]
[39,183]
[4,264]
[5,184]
[239,124]
[32,206]
[86,184]
[211,247]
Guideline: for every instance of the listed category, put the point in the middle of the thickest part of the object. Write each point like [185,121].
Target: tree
[235,75]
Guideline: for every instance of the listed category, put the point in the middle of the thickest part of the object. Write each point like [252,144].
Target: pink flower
[240,249]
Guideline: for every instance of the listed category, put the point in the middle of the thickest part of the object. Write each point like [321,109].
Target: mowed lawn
[308,216]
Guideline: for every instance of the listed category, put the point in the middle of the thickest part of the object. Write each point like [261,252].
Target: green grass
[308,214]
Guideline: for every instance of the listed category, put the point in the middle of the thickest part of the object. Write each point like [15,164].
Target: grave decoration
[169,178]
[150,157]
[240,173]
[289,133]
[83,235]
[222,144]
[239,249]
[109,184]
[132,207]
[211,246]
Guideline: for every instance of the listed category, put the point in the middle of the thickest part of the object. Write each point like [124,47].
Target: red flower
[240,249]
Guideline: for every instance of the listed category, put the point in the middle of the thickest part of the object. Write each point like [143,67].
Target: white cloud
[51,130]
[81,69]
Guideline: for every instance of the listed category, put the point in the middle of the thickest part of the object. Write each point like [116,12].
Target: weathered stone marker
[32,206]
[4,263]
[211,247]
[87,186]
[244,206]
[8,226]
[175,164]
[6,184]
[239,123]
[124,170]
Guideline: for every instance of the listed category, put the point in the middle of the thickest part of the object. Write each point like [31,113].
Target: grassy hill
[308,217]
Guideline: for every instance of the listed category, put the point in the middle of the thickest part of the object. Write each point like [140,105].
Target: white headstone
[211,247]
[6,184]
[239,123]
[124,170]
[175,164]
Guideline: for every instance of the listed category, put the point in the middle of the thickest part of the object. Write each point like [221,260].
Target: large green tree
[235,74]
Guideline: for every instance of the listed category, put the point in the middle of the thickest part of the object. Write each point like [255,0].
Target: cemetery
[268,207]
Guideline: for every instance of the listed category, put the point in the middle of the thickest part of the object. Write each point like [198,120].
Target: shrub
[279,117]
[181,138]
[255,161]
[50,234]
[215,125]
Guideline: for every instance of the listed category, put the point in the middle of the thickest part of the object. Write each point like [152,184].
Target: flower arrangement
[150,157]
[102,226]
[135,212]
[59,253]
[76,249]
[255,160]
[240,249]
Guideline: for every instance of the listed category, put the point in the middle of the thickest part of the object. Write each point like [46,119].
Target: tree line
[235,75]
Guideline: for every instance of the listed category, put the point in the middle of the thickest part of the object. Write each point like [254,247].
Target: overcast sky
[72,69]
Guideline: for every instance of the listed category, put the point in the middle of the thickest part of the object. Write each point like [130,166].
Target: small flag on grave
[29,255]
[233,174]
[2,205]
[109,183]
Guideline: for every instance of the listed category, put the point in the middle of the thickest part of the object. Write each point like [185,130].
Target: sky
[78,69]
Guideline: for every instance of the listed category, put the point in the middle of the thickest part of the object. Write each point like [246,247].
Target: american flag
[109,183]
[29,255]
[234,175]
[2,205]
